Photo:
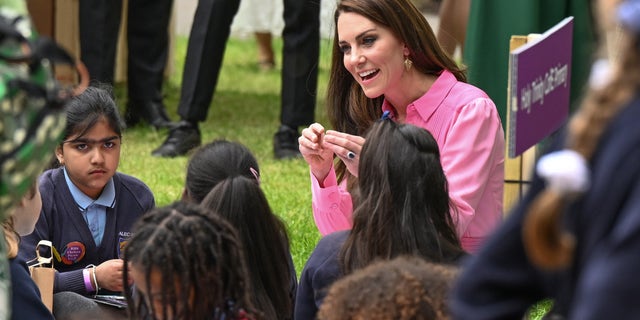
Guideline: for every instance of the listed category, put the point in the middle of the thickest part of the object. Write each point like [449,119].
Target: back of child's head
[199,258]
[405,159]
[402,288]
[548,246]
[95,104]
[230,172]
[215,162]
[11,235]
[401,205]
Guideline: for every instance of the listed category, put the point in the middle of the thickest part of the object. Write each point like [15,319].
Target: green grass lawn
[245,108]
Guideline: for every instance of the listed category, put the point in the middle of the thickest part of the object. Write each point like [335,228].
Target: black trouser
[207,42]
[205,51]
[301,36]
[147,41]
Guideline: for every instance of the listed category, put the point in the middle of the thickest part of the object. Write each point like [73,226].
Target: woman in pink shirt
[386,58]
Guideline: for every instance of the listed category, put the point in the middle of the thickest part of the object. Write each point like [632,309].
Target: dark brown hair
[402,203]
[403,288]
[200,250]
[224,176]
[349,109]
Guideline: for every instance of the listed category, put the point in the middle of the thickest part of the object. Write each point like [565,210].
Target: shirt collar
[432,99]
[107,197]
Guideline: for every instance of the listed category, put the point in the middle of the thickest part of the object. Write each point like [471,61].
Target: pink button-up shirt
[465,123]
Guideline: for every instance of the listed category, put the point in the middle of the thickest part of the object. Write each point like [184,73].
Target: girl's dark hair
[229,172]
[349,109]
[406,287]
[85,110]
[199,256]
[215,162]
[402,202]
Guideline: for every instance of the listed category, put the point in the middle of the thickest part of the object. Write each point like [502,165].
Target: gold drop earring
[407,63]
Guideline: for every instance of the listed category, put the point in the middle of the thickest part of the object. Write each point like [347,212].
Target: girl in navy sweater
[88,207]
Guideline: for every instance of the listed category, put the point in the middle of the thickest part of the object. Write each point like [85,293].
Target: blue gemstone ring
[351,155]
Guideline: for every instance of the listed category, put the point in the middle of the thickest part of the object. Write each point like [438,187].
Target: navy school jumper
[62,222]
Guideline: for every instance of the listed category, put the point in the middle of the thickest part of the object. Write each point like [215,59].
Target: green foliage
[245,108]
[540,309]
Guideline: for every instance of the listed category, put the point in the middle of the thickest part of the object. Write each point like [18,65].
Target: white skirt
[266,16]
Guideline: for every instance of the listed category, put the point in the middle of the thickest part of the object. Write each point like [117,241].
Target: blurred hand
[109,275]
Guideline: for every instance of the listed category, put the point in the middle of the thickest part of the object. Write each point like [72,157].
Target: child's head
[223,176]
[402,288]
[90,150]
[22,219]
[401,162]
[215,162]
[186,262]
[26,213]
[549,246]
[401,205]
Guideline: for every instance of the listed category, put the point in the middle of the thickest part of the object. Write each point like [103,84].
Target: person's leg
[300,53]
[72,306]
[266,59]
[452,31]
[205,50]
[99,23]
[148,43]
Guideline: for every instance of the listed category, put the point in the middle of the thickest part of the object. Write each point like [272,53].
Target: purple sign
[540,78]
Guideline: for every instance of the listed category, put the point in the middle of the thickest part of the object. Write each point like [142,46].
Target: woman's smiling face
[371,53]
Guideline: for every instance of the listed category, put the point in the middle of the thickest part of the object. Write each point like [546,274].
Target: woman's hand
[312,148]
[109,275]
[347,147]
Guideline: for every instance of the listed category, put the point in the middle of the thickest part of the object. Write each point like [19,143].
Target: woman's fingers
[346,146]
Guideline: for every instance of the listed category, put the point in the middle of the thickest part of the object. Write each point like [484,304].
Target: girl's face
[153,298]
[92,159]
[371,53]
[27,213]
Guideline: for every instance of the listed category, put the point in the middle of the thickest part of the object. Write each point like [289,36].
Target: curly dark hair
[195,251]
[403,288]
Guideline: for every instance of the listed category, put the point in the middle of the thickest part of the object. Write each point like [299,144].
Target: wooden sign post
[538,100]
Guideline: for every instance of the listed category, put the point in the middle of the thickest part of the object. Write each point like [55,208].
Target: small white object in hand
[565,171]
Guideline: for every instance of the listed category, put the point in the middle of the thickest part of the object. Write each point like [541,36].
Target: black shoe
[151,112]
[285,143]
[183,137]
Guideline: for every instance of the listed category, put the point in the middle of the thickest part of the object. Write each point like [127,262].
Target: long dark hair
[196,252]
[402,202]
[228,174]
[349,109]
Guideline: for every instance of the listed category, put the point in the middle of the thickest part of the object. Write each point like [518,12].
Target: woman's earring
[407,63]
